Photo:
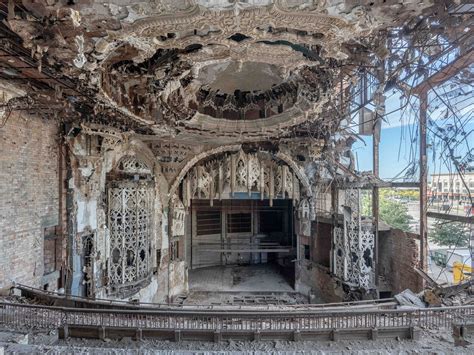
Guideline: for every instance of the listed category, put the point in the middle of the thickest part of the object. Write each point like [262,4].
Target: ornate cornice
[232,20]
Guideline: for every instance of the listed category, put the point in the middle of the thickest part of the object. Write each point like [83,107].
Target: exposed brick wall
[398,255]
[28,196]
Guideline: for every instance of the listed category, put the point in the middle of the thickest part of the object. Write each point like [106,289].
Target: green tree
[395,214]
[392,212]
[410,194]
[449,234]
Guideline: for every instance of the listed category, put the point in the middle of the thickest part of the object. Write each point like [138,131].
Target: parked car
[439,257]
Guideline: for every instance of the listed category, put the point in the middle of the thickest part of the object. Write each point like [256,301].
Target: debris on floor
[408,298]
[438,296]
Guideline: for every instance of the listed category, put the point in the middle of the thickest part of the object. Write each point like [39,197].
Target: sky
[394,152]
[399,144]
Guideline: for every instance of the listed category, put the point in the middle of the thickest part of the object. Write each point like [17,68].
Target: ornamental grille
[261,173]
[131,165]
[130,225]
[354,246]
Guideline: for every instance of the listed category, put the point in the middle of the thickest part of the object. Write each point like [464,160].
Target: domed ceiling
[237,70]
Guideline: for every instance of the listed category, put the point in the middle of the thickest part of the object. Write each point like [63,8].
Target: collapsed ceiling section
[237,70]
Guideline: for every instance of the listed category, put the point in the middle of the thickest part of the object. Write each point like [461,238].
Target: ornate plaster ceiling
[241,70]
[230,76]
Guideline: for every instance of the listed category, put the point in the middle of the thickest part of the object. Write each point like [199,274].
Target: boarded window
[49,256]
[208,222]
[239,223]
[49,251]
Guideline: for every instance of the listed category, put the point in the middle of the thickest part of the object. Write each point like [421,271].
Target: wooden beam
[426,277]
[451,217]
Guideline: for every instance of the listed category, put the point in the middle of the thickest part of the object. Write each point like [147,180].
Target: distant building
[449,187]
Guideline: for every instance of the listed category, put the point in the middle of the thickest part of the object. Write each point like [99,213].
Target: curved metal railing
[14,315]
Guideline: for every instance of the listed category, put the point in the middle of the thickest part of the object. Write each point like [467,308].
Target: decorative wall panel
[131,165]
[304,214]
[340,250]
[354,246]
[260,173]
[130,223]
[179,214]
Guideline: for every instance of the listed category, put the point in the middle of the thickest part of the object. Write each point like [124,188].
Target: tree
[392,212]
[395,214]
[410,194]
[450,234]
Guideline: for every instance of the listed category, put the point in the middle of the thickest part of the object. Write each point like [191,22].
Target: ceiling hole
[239,37]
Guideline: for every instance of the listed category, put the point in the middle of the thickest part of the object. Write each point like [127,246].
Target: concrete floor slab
[251,278]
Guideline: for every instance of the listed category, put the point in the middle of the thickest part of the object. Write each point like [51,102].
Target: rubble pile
[457,295]
[463,298]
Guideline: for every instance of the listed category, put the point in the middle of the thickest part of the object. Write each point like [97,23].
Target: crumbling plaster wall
[178,278]
[90,169]
[316,282]
[91,162]
[29,195]
[313,277]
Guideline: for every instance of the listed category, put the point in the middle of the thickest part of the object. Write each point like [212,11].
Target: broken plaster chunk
[114,9]
[80,59]
[87,170]
[90,66]
[408,298]
[69,14]
[75,17]
[102,46]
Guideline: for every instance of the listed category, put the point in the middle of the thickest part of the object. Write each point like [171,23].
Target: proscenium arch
[303,179]
[197,159]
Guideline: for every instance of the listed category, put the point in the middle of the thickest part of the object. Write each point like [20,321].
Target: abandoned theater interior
[198,155]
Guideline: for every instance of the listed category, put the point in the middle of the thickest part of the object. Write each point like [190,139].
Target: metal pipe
[423,183]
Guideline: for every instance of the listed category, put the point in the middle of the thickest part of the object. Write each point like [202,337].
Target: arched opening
[239,234]
[130,194]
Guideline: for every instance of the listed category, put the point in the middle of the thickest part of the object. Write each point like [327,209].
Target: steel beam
[375,196]
[445,73]
[423,184]
[405,184]
[451,217]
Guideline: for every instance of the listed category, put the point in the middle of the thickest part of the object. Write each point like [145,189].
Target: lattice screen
[354,246]
[131,165]
[130,224]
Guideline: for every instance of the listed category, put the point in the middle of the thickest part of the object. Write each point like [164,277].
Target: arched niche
[130,198]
